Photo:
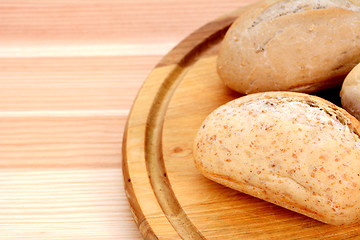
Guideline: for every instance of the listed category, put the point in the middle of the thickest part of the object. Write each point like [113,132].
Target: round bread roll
[350,92]
[298,151]
[291,45]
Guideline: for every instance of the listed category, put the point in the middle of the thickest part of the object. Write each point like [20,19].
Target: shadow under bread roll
[291,45]
[295,150]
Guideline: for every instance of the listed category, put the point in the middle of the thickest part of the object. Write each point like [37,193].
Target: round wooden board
[168,197]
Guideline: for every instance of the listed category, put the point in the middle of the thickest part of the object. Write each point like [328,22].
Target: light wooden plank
[171,20]
[64,204]
[81,142]
[98,21]
[97,83]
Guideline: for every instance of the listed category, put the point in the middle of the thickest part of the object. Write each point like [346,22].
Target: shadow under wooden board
[168,197]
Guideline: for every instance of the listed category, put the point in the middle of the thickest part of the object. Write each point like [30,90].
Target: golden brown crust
[295,150]
[291,45]
[350,92]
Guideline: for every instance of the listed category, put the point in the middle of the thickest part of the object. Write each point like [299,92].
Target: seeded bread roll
[350,92]
[291,45]
[298,151]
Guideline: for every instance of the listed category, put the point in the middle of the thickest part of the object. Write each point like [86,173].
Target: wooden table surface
[69,73]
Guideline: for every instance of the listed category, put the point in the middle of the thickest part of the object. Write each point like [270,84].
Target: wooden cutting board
[169,198]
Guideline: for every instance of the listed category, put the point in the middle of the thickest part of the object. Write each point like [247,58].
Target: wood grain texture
[63,204]
[69,73]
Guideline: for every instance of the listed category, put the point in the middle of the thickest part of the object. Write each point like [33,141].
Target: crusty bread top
[307,113]
[304,109]
[283,8]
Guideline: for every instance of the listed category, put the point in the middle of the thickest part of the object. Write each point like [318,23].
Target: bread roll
[350,92]
[291,45]
[298,151]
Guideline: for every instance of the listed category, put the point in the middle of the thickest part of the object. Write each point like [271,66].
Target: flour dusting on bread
[305,113]
[287,7]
